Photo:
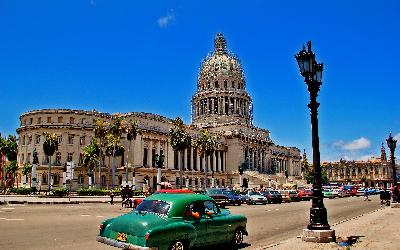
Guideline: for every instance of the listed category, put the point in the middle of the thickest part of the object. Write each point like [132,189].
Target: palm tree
[131,133]
[3,150]
[91,159]
[206,144]
[27,169]
[100,131]
[50,145]
[109,153]
[115,131]
[180,140]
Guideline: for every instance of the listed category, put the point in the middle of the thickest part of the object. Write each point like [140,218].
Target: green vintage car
[174,222]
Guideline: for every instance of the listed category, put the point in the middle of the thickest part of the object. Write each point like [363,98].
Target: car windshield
[254,193]
[292,192]
[230,193]
[214,191]
[273,192]
[153,206]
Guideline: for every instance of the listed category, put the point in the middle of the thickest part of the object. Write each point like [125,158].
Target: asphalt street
[75,226]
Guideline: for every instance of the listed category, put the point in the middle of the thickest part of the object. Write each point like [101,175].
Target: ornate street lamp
[392,146]
[159,163]
[318,230]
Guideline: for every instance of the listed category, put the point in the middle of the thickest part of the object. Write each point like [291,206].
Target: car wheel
[237,239]
[239,203]
[177,245]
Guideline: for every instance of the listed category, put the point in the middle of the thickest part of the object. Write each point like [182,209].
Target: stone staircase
[267,180]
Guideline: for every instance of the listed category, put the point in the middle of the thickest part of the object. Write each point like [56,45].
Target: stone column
[212,105]
[191,158]
[215,167]
[185,163]
[170,156]
[221,161]
[234,105]
[149,153]
[198,161]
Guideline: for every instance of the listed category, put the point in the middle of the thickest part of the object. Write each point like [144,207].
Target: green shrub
[60,192]
[21,190]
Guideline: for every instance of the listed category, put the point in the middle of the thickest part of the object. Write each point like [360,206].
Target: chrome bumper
[122,245]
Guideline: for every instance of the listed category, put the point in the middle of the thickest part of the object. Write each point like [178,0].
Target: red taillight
[147,236]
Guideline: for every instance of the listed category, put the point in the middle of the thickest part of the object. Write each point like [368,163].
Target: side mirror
[196,215]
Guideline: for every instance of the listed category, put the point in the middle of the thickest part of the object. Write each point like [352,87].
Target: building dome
[221,97]
[220,65]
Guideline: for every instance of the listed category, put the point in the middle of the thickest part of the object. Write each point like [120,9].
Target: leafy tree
[115,133]
[180,140]
[50,146]
[206,144]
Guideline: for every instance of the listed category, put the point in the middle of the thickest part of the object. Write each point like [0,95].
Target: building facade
[221,104]
[374,172]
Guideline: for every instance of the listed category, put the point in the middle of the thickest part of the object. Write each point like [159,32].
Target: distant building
[221,104]
[375,171]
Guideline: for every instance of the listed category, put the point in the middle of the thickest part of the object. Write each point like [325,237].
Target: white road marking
[15,219]
[8,208]
[277,209]
[99,216]
[85,215]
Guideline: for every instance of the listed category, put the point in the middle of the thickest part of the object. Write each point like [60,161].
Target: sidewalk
[375,230]
[35,199]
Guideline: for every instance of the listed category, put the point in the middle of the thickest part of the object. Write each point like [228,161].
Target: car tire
[237,239]
[239,204]
[177,245]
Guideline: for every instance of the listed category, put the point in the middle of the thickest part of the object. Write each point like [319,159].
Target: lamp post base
[318,236]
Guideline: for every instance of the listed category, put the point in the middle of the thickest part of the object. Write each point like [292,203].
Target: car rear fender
[162,236]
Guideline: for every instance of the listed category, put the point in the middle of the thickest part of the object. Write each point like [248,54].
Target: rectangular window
[29,139]
[60,119]
[30,121]
[28,158]
[81,159]
[71,120]
[48,119]
[70,139]
[59,139]
[153,157]
[39,120]
[83,140]
[37,139]
[69,157]
[145,157]
[58,159]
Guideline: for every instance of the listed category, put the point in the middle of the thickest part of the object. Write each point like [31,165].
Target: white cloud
[164,21]
[397,137]
[357,144]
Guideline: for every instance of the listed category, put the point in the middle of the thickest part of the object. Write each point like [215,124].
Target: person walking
[111,197]
[366,198]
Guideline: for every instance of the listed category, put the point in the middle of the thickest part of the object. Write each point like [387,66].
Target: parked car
[328,193]
[174,221]
[233,198]
[360,192]
[285,195]
[256,197]
[217,194]
[293,195]
[138,200]
[340,193]
[305,194]
[273,196]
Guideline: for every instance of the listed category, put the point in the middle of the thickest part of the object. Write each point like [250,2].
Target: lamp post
[159,163]
[318,230]
[392,146]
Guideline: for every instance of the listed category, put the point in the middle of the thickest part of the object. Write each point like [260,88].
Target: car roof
[179,201]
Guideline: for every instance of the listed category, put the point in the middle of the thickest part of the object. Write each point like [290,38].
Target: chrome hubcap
[238,237]
[177,246]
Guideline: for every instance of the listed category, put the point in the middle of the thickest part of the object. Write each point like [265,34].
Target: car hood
[137,224]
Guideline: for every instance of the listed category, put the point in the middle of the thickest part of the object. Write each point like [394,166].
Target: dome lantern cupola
[220,44]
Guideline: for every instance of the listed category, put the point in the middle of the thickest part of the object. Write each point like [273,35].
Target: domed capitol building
[221,104]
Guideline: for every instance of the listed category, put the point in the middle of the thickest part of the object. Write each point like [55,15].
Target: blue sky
[121,56]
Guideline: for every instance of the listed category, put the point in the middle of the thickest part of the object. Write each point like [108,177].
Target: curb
[335,224]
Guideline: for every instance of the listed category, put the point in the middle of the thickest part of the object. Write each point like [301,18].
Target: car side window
[210,206]
[194,207]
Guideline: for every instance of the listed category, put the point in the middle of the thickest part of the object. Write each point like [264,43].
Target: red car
[137,201]
[305,194]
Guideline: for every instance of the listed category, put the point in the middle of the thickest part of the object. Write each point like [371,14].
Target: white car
[256,197]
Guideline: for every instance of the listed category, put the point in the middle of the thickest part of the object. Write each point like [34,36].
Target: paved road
[75,226]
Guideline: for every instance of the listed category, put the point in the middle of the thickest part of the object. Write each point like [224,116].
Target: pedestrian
[366,198]
[111,197]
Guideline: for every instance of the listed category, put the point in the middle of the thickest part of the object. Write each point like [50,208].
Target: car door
[217,226]
[200,224]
